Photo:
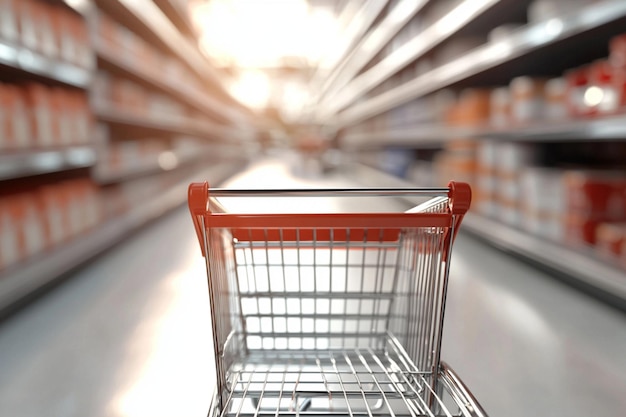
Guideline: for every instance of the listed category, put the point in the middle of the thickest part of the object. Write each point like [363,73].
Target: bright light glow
[261,33]
[168,160]
[554,27]
[252,89]
[593,96]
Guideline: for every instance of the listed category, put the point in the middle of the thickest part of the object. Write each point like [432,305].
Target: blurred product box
[580,230]
[527,99]
[578,81]
[54,209]
[27,18]
[472,109]
[512,157]
[38,100]
[597,195]
[610,240]
[10,235]
[556,99]
[500,107]
[543,202]
[9,20]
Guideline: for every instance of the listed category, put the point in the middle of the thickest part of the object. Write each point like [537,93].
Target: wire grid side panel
[227,325]
[415,315]
[304,295]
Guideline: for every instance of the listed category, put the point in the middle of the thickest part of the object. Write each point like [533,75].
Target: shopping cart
[331,313]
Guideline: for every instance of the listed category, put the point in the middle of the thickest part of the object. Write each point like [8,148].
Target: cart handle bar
[459,198]
[332,192]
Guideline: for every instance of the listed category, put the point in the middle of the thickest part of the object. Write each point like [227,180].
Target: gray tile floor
[129,335]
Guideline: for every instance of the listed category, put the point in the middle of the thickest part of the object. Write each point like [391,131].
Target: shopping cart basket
[331,313]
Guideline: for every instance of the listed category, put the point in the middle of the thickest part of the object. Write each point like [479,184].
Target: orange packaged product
[17,123]
[474,107]
[610,239]
[53,207]
[6,104]
[580,230]
[84,56]
[11,242]
[527,99]
[62,114]
[83,118]
[61,21]
[500,107]
[48,42]
[8,20]
[556,99]
[29,223]
[27,24]
[39,102]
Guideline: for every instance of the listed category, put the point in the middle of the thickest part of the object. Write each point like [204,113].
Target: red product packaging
[577,84]
[610,239]
[580,230]
[603,96]
[61,21]
[596,195]
[39,102]
[617,51]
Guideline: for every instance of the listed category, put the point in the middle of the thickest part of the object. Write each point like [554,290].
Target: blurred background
[110,108]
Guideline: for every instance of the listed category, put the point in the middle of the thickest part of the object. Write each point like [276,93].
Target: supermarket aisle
[130,335]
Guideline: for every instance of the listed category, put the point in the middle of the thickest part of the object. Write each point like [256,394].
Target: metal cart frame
[331,313]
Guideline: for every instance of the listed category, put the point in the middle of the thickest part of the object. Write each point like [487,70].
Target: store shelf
[576,264]
[431,135]
[149,167]
[179,90]
[19,164]
[80,6]
[464,13]
[373,43]
[581,266]
[426,136]
[24,279]
[146,14]
[35,64]
[174,11]
[606,128]
[530,38]
[201,128]
[356,29]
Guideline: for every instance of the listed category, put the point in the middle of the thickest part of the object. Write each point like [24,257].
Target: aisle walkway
[129,335]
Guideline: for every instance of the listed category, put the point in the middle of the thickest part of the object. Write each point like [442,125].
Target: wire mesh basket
[331,313]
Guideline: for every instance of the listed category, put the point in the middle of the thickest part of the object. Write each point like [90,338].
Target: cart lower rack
[331,313]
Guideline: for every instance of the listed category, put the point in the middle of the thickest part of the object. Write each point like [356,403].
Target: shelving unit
[29,163]
[581,266]
[62,181]
[534,37]
[605,129]
[22,280]
[16,58]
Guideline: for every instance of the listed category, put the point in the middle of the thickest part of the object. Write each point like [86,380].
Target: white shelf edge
[356,29]
[606,128]
[203,103]
[529,38]
[452,22]
[22,280]
[367,49]
[148,167]
[26,163]
[577,264]
[154,19]
[32,62]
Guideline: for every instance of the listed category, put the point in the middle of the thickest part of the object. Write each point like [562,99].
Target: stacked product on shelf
[40,219]
[36,116]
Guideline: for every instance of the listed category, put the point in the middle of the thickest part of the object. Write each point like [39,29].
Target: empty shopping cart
[331,313]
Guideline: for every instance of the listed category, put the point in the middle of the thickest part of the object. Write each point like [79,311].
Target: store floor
[129,335]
